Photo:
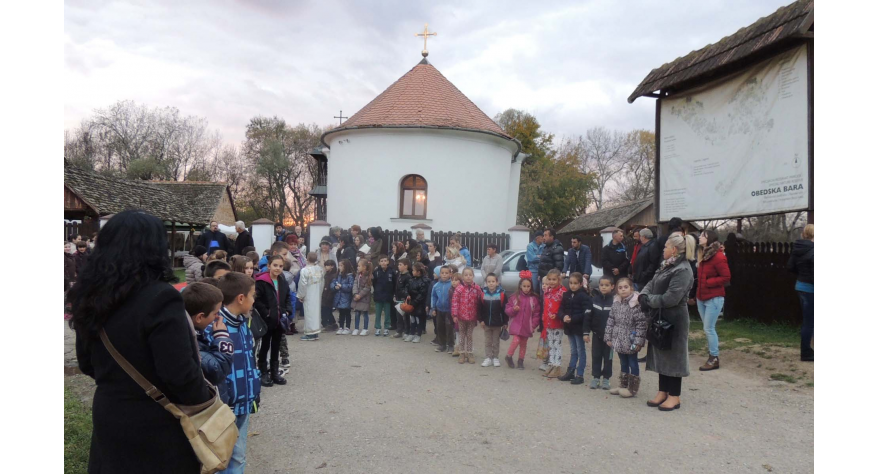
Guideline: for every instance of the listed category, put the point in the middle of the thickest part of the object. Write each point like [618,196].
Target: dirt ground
[368,404]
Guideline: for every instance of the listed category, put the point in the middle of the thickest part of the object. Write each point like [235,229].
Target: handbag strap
[145,384]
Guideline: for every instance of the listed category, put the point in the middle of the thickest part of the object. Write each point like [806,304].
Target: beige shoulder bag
[209,427]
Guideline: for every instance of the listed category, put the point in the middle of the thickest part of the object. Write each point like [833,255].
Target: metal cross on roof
[340,117]
[426,35]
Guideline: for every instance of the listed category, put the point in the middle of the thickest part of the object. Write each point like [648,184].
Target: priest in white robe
[311,285]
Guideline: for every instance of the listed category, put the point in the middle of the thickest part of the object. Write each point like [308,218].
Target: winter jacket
[466,301]
[440,297]
[269,303]
[194,267]
[331,255]
[627,325]
[533,256]
[361,287]
[401,288]
[614,256]
[209,236]
[243,381]
[383,284]
[417,291]
[669,290]
[433,261]
[329,292]
[712,274]
[647,262]
[348,253]
[553,305]
[523,323]
[596,320]
[69,270]
[80,259]
[636,248]
[216,355]
[552,257]
[801,261]
[375,251]
[243,241]
[343,297]
[492,307]
[466,254]
[577,305]
[579,260]
[492,265]
[459,263]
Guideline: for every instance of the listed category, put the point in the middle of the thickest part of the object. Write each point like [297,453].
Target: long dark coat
[669,290]
[132,433]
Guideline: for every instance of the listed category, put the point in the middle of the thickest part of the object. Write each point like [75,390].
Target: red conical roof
[422,98]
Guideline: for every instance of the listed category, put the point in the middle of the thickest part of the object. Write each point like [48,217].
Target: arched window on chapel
[413,197]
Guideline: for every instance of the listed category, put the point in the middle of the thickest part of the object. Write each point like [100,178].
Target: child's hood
[264,276]
[633,299]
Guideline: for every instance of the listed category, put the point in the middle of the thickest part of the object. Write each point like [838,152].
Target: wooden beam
[657,162]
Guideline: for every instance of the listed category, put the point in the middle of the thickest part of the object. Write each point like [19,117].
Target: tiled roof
[614,216]
[422,98]
[785,24]
[187,202]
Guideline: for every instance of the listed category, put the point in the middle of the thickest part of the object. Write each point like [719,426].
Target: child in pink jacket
[524,310]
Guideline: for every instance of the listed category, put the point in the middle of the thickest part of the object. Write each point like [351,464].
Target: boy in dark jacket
[576,304]
[203,302]
[492,318]
[384,278]
[327,319]
[595,322]
[614,260]
[400,294]
[417,291]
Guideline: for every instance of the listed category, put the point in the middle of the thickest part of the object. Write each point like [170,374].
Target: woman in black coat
[124,290]
[346,250]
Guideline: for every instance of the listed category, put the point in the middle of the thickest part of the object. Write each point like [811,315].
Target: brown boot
[554,372]
[462,358]
[470,358]
[634,382]
[622,381]
[711,364]
[627,391]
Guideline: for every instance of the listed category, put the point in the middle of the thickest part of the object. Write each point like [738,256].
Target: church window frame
[413,197]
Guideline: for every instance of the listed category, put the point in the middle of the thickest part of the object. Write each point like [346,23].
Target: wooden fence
[85,229]
[761,287]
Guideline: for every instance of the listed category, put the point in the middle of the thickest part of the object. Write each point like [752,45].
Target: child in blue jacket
[203,302]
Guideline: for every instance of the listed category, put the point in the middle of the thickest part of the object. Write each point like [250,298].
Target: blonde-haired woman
[455,259]
[801,263]
[668,292]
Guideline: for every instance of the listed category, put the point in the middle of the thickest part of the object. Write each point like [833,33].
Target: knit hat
[198,251]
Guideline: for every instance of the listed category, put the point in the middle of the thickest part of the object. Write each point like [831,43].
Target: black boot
[577,380]
[569,374]
[266,379]
[276,377]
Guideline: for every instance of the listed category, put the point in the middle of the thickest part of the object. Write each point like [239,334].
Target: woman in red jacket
[712,275]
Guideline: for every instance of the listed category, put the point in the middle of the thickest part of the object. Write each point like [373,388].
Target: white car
[510,275]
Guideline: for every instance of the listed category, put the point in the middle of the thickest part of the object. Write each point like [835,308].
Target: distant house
[187,205]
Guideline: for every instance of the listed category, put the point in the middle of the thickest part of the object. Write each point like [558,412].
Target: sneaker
[496,362]
[543,367]
[440,349]
[386,333]
[285,363]
[308,338]
[594,384]
[606,384]
[450,350]
[283,371]
[397,335]
[408,338]
[434,342]
[346,331]
[417,339]
[339,331]
[486,363]
[364,332]
[355,332]
[379,332]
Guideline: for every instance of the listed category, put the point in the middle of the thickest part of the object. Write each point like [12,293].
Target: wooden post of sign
[657,162]
[810,159]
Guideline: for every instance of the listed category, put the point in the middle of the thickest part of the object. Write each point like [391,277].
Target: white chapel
[420,154]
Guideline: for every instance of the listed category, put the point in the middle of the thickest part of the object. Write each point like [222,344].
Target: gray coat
[491,265]
[361,287]
[669,290]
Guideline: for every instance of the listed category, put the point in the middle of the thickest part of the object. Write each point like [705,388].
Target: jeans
[601,357]
[383,308]
[629,363]
[807,326]
[327,318]
[536,282]
[357,319]
[578,354]
[236,463]
[709,311]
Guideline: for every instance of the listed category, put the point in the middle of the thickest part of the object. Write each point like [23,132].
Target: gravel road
[368,404]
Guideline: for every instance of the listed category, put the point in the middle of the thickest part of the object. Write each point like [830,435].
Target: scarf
[711,250]
[670,262]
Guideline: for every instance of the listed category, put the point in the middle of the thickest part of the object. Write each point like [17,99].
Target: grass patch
[77,434]
[809,384]
[783,377]
[779,335]
[180,274]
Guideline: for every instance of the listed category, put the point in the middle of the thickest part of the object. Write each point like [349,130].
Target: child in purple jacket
[524,310]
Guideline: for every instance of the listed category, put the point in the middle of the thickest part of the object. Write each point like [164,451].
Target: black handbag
[257,325]
[660,331]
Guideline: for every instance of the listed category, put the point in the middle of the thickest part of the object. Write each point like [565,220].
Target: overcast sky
[571,64]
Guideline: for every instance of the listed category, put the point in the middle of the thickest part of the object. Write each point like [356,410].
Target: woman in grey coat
[668,290]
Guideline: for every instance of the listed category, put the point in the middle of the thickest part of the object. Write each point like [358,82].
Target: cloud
[572,64]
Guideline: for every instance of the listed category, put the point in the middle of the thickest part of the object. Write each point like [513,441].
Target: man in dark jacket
[243,240]
[212,239]
[280,232]
[648,259]
[579,259]
[801,263]
[614,260]
[553,255]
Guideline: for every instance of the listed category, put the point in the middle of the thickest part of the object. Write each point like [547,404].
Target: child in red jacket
[553,321]
[466,301]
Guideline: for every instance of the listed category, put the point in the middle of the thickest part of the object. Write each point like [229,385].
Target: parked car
[510,275]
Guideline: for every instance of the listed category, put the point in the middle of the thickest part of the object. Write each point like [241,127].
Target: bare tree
[636,180]
[603,154]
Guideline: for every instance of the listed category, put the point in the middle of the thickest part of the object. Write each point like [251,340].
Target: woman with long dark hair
[124,290]
[346,250]
[712,274]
